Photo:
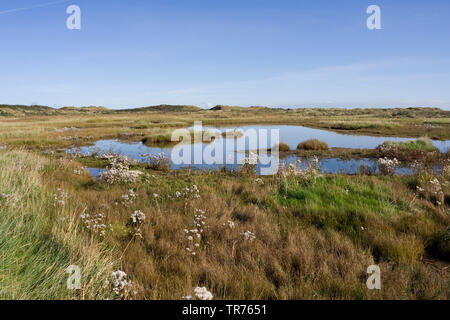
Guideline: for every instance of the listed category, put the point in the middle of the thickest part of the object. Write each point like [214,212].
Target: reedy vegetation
[39,235]
[298,235]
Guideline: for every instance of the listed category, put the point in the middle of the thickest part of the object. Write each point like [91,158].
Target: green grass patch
[363,209]
[422,144]
[338,195]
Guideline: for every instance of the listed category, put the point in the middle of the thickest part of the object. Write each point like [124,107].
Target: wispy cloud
[33,7]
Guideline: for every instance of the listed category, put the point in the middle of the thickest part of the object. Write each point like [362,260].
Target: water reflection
[231,149]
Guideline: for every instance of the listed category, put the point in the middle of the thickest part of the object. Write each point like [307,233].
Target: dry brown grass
[37,132]
[312,248]
[288,259]
[312,144]
[284,147]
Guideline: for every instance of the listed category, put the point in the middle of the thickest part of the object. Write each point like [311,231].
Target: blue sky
[206,52]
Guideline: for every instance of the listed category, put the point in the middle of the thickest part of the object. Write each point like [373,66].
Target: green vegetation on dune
[22,110]
[164,108]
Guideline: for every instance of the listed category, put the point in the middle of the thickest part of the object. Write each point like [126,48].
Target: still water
[292,135]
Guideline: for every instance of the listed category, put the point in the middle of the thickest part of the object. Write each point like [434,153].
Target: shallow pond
[293,135]
[231,149]
[327,165]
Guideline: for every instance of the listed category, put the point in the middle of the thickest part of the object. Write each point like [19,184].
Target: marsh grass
[308,238]
[423,144]
[34,127]
[39,240]
[313,144]
[284,147]
[421,150]
[159,139]
[370,213]
[314,239]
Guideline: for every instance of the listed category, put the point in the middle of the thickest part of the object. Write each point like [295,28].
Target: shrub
[284,147]
[312,144]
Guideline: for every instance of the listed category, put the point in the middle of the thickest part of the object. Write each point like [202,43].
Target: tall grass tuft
[40,239]
[284,147]
[312,144]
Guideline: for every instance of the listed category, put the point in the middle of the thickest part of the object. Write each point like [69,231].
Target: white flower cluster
[259,181]
[385,148]
[188,193]
[119,284]
[311,171]
[158,161]
[436,186]
[230,224]
[128,198]
[315,161]
[137,218]
[290,170]
[249,236]
[119,170]
[200,293]
[194,236]
[60,197]
[95,223]
[111,156]
[417,166]
[446,168]
[388,166]
[78,171]
[11,199]
[2,147]
[252,158]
